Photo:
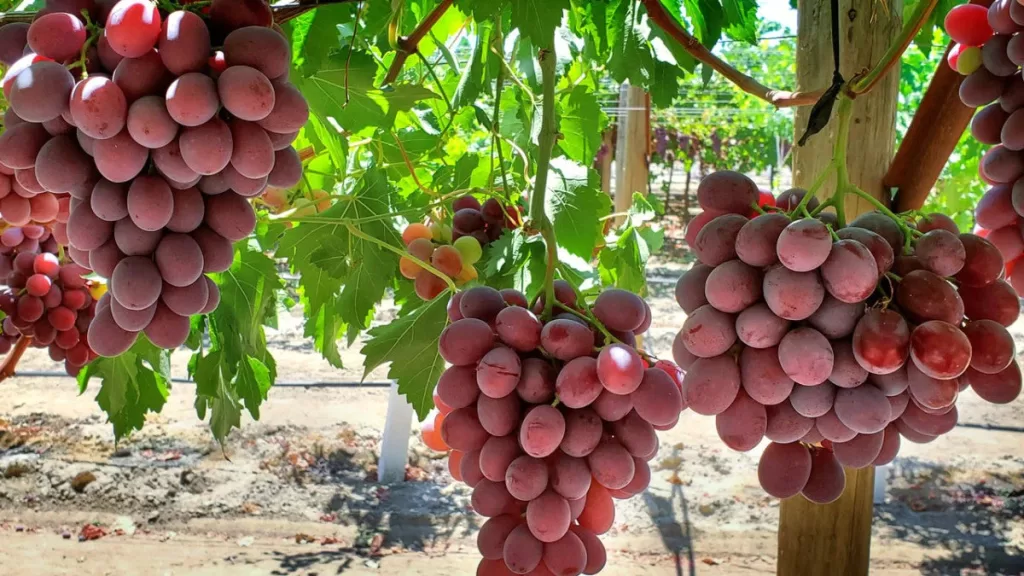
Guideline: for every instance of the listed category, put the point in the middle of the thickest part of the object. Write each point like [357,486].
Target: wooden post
[394,443]
[631,148]
[867,28]
[816,540]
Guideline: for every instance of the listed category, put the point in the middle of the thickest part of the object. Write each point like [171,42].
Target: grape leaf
[537,19]
[622,263]
[473,80]
[131,385]
[664,85]
[238,370]
[581,121]
[315,34]
[214,393]
[481,9]
[683,58]
[590,21]
[343,89]
[410,345]
[577,213]
[631,56]
[741,20]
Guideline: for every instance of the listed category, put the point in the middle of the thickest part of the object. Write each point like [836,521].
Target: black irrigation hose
[40,374]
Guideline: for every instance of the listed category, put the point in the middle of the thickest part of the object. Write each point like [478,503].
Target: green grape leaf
[537,19]
[581,121]
[316,34]
[683,58]
[622,263]
[325,327]
[238,369]
[577,213]
[590,21]
[643,209]
[706,18]
[631,56]
[215,394]
[410,345]
[344,89]
[664,85]
[132,385]
[473,79]
[481,9]
[740,18]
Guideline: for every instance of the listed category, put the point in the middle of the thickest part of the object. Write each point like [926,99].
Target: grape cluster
[989,50]
[453,250]
[160,146]
[834,343]
[45,299]
[549,422]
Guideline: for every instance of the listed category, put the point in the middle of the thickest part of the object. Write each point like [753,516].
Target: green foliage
[410,345]
[132,385]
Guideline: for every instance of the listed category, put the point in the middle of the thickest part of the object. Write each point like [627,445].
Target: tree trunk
[836,538]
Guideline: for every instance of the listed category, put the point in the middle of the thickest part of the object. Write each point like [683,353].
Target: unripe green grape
[969,61]
[469,248]
[441,233]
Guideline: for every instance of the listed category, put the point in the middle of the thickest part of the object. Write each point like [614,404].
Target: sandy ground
[296,492]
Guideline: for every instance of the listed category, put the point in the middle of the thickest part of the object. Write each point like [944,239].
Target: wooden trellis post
[817,540]
[631,148]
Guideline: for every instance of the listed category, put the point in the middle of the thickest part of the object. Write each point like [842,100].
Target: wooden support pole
[817,540]
[937,126]
[631,148]
[867,27]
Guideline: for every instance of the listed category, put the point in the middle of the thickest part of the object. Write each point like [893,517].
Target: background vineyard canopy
[398,133]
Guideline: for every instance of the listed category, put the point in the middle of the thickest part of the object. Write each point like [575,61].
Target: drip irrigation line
[286,384]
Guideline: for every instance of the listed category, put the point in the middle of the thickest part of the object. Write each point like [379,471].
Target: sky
[778,11]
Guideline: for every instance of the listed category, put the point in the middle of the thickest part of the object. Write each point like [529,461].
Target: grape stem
[404,254]
[499,84]
[546,144]
[410,44]
[845,114]
[11,362]
[865,83]
[412,169]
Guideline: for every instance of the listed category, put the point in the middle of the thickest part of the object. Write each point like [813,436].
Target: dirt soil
[296,493]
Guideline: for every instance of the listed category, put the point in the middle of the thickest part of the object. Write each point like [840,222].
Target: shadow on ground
[966,523]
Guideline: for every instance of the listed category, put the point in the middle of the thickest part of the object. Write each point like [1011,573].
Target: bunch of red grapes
[989,50]
[550,421]
[453,250]
[47,300]
[833,347]
[158,139]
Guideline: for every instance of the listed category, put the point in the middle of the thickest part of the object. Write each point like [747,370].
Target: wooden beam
[815,539]
[937,126]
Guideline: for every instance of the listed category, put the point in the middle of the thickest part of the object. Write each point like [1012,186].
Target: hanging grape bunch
[835,343]
[159,140]
[550,421]
[453,250]
[989,50]
[45,299]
